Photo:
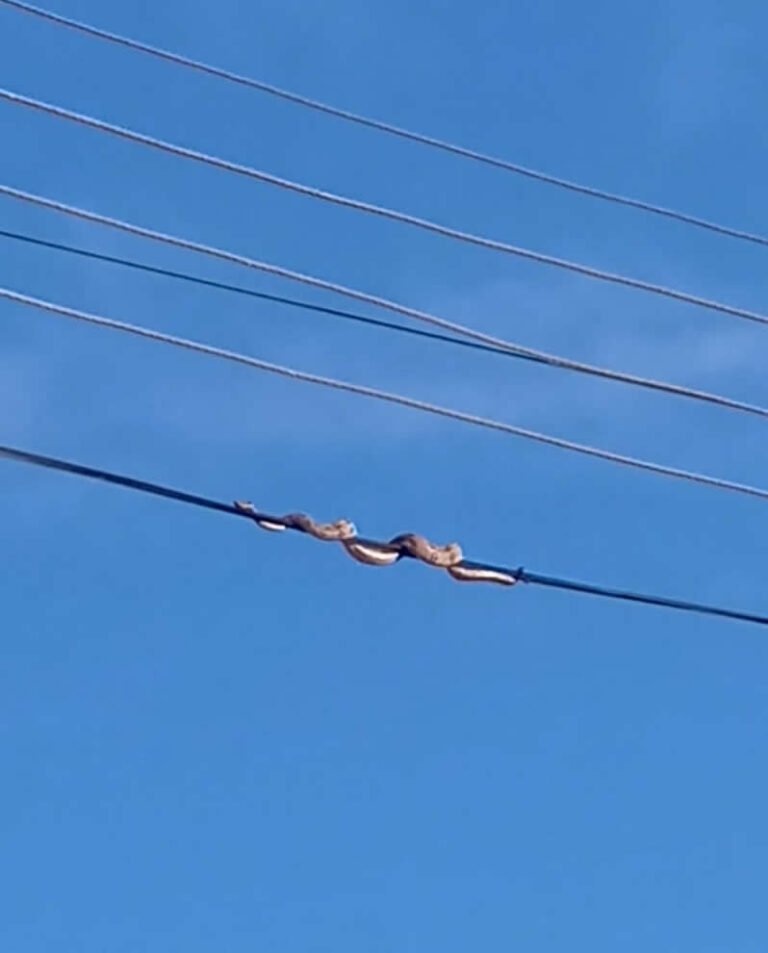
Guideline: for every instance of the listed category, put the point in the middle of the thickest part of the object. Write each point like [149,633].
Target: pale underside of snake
[374,553]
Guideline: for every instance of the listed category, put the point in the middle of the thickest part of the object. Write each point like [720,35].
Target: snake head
[346,529]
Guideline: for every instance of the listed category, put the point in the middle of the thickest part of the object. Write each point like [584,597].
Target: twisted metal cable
[381,211]
[375,552]
[386,304]
[511,351]
[387,396]
[386,127]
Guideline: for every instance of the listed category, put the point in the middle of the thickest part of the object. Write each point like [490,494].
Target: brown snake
[372,553]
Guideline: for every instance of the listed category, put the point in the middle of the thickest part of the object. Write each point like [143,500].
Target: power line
[397,548]
[386,396]
[352,293]
[379,210]
[386,127]
[539,357]
[300,277]
[265,296]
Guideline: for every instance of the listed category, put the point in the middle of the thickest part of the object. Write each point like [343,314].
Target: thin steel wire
[369,208]
[386,304]
[387,396]
[528,354]
[386,127]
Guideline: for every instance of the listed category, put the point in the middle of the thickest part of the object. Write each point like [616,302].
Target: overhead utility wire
[386,127]
[539,357]
[397,548]
[323,285]
[379,210]
[386,396]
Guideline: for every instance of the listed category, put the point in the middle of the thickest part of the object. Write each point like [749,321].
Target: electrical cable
[386,127]
[387,396]
[529,354]
[369,208]
[395,546]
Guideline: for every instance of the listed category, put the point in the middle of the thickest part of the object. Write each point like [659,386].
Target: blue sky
[213,738]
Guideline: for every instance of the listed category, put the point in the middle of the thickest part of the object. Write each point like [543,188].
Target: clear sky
[218,739]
